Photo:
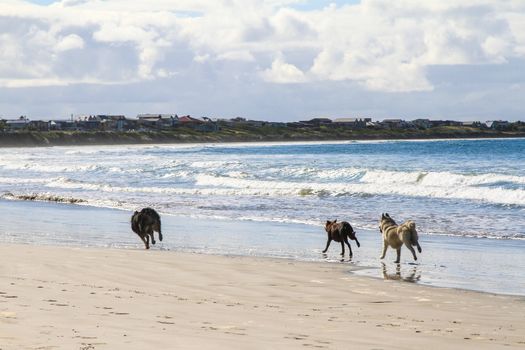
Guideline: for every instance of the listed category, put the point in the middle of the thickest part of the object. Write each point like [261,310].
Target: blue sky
[261,60]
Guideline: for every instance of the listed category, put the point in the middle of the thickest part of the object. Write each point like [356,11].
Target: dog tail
[414,239]
[160,233]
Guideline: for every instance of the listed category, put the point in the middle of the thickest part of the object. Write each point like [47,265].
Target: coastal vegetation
[242,133]
[168,128]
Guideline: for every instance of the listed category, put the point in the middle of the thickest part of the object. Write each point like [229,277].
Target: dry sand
[71,298]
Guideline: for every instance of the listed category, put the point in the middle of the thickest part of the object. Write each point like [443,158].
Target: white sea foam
[393,186]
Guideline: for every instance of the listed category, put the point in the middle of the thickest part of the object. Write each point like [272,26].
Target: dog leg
[349,248]
[398,255]
[152,238]
[327,245]
[343,248]
[145,240]
[419,247]
[409,246]
[385,247]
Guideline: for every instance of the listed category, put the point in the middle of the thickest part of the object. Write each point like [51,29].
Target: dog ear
[335,221]
[328,222]
[382,215]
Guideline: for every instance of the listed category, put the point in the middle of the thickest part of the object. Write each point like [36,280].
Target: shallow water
[470,263]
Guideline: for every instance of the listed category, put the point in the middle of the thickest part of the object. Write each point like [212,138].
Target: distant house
[65,125]
[38,125]
[316,122]
[89,122]
[392,123]
[17,124]
[206,125]
[187,120]
[422,123]
[112,122]
[241,121]
[158,121]
[498,124]
[437,123]
[356,123]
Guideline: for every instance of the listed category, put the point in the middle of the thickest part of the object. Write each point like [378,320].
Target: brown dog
[340,232]
[143,223]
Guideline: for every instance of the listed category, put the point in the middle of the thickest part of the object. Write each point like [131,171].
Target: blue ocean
[472,188]
[460,193]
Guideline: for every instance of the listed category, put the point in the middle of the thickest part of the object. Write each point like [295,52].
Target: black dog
[340,232]
[143,223]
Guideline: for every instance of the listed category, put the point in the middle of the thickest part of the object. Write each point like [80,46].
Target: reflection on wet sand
[412,275]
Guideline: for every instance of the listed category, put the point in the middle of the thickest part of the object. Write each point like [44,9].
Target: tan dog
[396,235]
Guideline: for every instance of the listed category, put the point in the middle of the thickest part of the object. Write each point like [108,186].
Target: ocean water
[468,188]
[466,196]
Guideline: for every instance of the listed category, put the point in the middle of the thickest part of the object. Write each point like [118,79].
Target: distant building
[422,123]
[64,125]
[38,125]
[392,123]
[197,124]
[112,122]
[158,121]
[498,124]
[88,122]
[316,122]
[17,124]
[241,121]
[356,123]
[437,123]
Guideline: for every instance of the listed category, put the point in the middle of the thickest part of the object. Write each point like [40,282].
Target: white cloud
[382,45]
[240,55]
[70,42]
[282,72]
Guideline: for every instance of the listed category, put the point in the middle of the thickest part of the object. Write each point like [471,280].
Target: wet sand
[91,298]
[486,265]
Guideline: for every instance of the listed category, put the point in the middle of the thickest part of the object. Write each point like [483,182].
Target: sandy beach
[88,298]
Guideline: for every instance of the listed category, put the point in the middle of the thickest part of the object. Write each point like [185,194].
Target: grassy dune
[237,134]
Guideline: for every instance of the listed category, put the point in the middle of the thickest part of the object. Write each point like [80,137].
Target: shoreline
[65,298]
[470,264]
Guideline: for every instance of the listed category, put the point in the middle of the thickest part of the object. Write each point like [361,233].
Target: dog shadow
[412,275]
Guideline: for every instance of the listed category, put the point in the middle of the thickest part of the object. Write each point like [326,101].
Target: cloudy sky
[264,59]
